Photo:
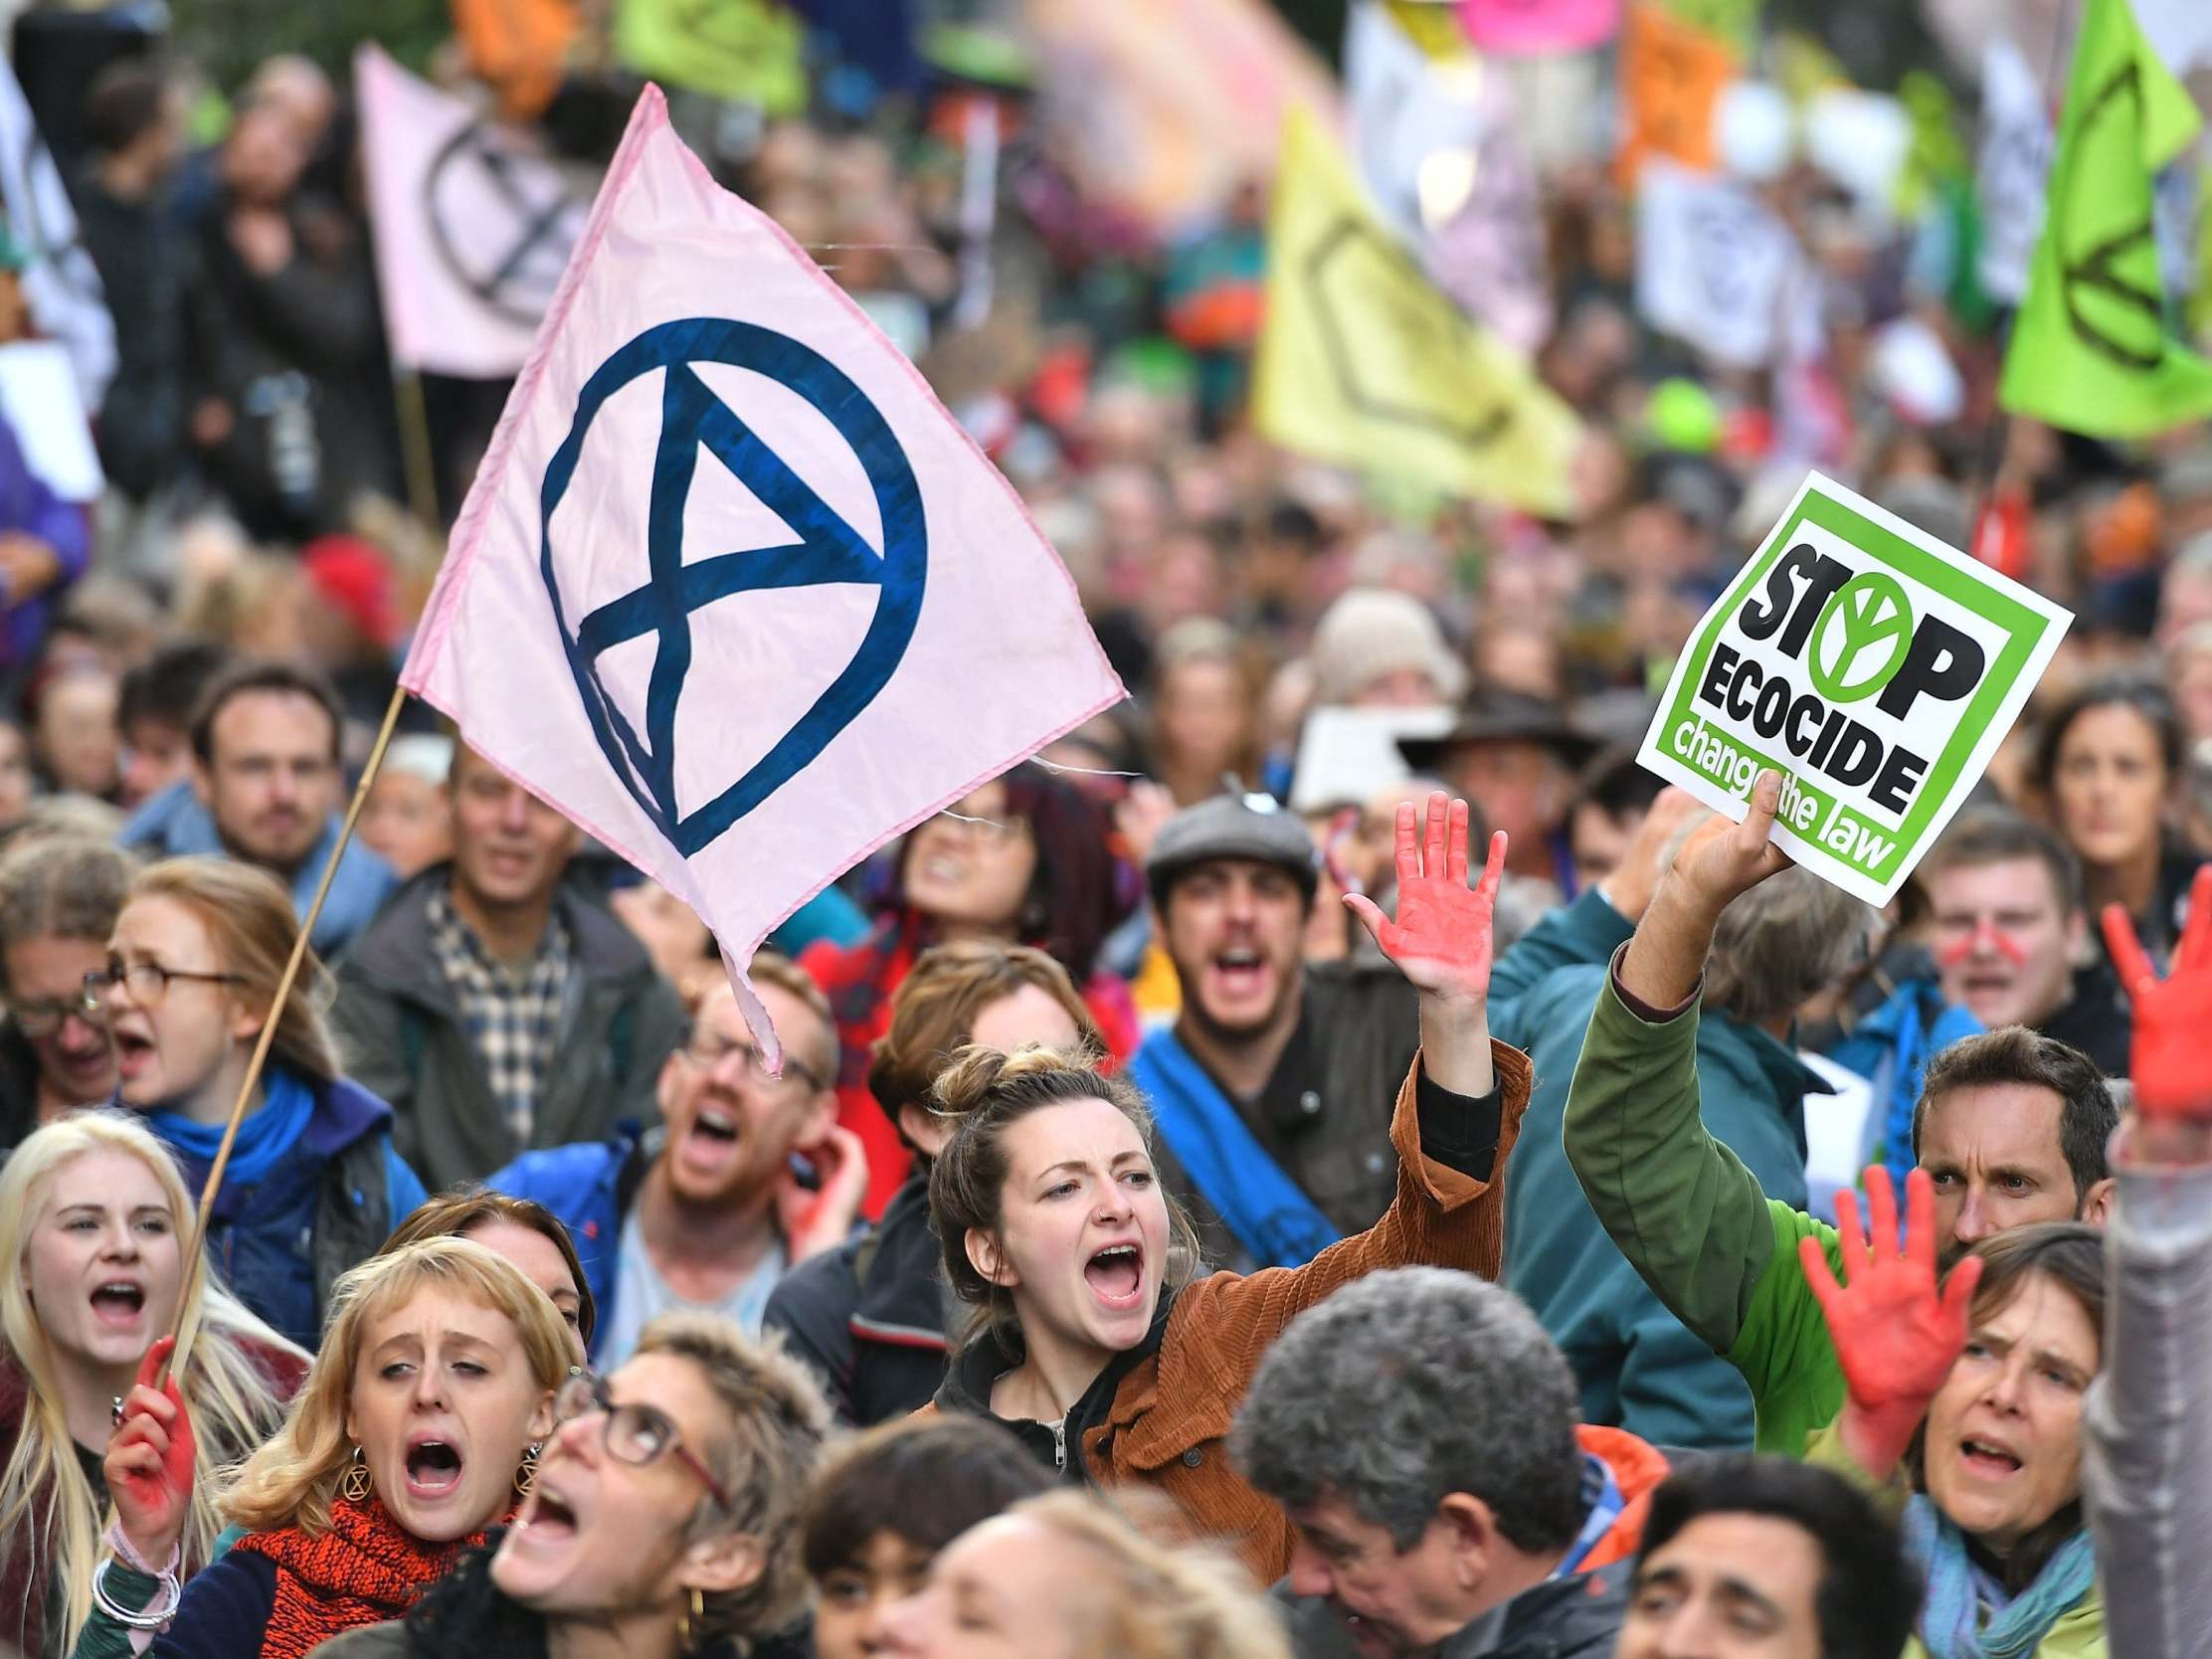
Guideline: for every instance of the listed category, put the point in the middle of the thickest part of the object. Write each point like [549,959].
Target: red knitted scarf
[363,1570]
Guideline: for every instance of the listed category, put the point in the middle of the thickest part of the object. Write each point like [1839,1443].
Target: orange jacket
[1638,1468]
[1171,1415]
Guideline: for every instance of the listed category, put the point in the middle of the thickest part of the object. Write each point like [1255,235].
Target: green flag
[2092,350]
[747,51]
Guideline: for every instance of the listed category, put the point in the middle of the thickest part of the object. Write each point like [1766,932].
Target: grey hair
[67,886]
[1789,938]
[1406,1386]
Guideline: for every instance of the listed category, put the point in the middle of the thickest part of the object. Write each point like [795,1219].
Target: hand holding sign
[2171,1069]
[1721,861]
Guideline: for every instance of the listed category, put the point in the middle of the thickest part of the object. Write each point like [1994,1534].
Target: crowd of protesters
[1219,1199]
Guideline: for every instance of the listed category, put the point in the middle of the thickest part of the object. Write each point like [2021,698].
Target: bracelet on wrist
[152,1617]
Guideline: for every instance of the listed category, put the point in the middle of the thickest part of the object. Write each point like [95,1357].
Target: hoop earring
[356,1482]
[687,1622]
[526,1476]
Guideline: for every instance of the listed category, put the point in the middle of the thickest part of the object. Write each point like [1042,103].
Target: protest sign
[1874,667]
[2016,142]
[1439,149]
[732,591]
[1670,80]
[60,288]
[1715,266]
[1539,26]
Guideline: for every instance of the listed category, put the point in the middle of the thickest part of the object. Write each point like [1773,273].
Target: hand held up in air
[149,1461]
[1897,1335]
[1721,861]
[1441,939]
[2171,1066]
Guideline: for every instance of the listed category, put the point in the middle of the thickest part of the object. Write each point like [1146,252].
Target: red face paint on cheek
[1957,952]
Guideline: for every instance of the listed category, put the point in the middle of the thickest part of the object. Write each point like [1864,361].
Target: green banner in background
[2092,349]
[746,51]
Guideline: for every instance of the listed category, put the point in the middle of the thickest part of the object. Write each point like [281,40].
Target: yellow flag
[1365,363]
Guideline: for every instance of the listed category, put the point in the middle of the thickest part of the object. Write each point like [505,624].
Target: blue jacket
[590,1186]
[1638,1367]
[176,823]
[1891,1049]
[329,1203]
[29,506]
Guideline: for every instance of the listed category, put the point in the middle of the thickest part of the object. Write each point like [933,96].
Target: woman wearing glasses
[58,896]
[419,1427]
[192,971]
[664,1519]
[93,1228]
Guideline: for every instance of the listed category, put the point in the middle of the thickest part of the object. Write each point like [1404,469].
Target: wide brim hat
[1492,716]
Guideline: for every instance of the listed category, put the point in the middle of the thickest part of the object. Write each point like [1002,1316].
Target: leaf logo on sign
[1861,639]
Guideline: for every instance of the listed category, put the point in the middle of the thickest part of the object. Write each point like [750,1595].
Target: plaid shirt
[512,1017]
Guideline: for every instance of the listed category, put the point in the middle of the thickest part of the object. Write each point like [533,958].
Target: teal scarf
[1950,1618]
[265,1137]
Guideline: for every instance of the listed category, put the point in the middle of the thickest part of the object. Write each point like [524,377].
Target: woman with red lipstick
[92,1219]
[1965,1414]
[1091,1334]
[412,1434]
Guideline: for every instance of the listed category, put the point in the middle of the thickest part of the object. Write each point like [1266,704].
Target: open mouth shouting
[1240,981]
[1988,1459]
[134,1051]
[710,1145]
[1116,1276]
[434,1468]
[120,1303]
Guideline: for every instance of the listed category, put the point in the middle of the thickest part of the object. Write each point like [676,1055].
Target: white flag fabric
[1715,266]
[2016,143]
[473,229]
[1440,150]
[732,590]
[61,286]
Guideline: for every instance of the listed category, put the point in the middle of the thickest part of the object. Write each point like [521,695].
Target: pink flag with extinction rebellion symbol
[732,590]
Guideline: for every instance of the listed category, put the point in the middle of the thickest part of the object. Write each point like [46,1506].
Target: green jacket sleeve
[1589,930]
[1692,1221]
[1783,1351]
[1685,1211]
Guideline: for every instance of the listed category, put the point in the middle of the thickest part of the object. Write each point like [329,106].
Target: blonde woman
[664,1520]
[93,1227]
[417,1428]
[1061,1576]
[191,976]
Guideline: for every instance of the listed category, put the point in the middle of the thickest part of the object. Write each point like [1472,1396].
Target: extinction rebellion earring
[526,1476]
[355,1484]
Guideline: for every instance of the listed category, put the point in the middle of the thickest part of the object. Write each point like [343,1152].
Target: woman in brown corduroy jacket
[1094,1338]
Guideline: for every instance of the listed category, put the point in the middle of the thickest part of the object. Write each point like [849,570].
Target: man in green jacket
[1638,1368]
[2011,1126]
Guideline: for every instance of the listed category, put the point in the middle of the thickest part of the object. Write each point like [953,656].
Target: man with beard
[707,1213]
[1273,1089]
[265,788]
[2011,1125]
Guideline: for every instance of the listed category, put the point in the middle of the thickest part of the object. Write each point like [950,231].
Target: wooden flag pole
[194,1257]
[414,445]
